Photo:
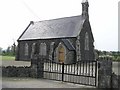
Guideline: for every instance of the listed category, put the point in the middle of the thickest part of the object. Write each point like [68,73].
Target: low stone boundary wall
[12,71]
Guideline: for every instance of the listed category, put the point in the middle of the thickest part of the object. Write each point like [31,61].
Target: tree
[104,52]
[0,51]
[13,48]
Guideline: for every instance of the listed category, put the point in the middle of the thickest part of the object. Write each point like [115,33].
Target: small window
[43,49]
[86,41]
[26,49]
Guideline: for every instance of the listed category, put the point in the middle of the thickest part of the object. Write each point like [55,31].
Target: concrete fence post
[104,73]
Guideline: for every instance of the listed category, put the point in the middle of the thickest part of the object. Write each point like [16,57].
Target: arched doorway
[61,54]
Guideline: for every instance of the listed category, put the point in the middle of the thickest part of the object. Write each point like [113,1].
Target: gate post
[40,68]
[37,66]
[104,72]
[62,71]
[34,66]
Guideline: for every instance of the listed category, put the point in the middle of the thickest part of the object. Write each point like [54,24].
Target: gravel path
[38,83]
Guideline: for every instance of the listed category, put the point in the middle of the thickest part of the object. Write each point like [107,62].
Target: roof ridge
[57,18]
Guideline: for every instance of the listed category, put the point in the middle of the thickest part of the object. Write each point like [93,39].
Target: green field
[7,57]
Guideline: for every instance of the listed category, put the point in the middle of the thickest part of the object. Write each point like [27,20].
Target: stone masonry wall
[12,71]
[104,73]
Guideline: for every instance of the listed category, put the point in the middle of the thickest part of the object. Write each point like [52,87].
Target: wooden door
[61,54]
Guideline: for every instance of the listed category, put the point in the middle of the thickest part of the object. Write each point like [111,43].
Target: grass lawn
[8,57]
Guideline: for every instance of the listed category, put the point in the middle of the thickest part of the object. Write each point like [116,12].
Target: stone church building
[67,39]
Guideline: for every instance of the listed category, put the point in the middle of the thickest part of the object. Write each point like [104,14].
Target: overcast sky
[15,15]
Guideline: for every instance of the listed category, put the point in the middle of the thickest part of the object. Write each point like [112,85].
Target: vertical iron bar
[62,71]
[80,68]
[95,73]
[77,68]
[74,79]
[57,71]
[92,69]
[59,68]
[83,68]
[74,69]
[86,67]
[89,68]
[68,72]
[48,70]
[71,68]
[50,66]
[66,69]
[71,72]
[86,73]
[52,70]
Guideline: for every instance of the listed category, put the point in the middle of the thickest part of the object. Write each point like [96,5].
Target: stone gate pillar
[104,73]
[40,71]
[37,66]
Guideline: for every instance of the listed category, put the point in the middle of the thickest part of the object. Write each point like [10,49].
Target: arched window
[51,50]
[78,50]
[41,46]
[86,41]
[33,48]
[26,49]
[61,53]
[43,49]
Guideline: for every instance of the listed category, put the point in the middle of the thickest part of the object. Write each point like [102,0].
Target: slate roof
[55,28]
[68,44]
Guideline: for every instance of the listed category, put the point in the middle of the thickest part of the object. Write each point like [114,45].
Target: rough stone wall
[107,78]
[21,54]
[115,81]
[34,71]
[70,57]
[12,71]
[37,66]
[87,54]
[104,73]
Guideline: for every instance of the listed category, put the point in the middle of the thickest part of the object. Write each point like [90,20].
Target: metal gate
[82,72]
